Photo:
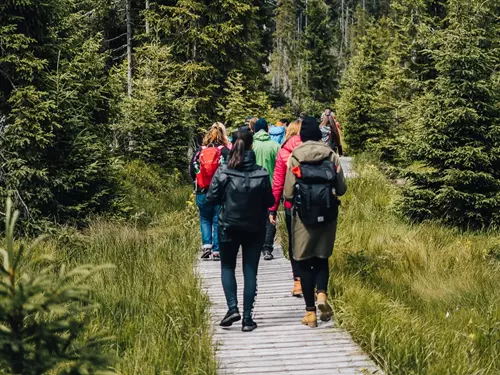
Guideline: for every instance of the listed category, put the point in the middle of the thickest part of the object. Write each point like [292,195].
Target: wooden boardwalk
[280,344]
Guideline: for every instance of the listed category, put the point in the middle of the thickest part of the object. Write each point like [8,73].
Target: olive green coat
[308,242]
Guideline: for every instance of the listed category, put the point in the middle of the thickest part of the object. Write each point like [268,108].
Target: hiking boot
[325,309]
[207,253]
[248,325]
[216,256]
[231,317]
[268,255]
[310,319]
[297,288]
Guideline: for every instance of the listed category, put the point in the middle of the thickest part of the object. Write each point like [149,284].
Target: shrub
[43,315]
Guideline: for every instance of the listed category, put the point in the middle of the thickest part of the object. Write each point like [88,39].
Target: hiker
[228,143]
[205,162]
[328,118]
[265,152]
[277,132]
[243,190]
[313,182]
[292,140]
[326,131]
[337,124]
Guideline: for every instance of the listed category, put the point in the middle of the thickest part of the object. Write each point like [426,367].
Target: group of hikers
[239,185]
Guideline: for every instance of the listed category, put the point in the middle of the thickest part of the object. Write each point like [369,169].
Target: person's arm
[217,187]
[290,180]
[268,194]
[340,181]
[192,171]
[278,182]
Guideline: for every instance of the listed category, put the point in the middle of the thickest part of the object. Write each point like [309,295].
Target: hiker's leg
[270,234]
[295,266]
[228,254]
[307,280]
[206,217]
[215,226]
[322,273]
[251,246]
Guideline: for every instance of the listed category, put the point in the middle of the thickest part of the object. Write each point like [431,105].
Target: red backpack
[209,161]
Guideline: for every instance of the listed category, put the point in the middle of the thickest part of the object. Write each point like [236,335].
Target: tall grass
[421,299]
[151,302]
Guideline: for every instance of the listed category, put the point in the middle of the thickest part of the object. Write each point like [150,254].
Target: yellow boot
[297,288]
[310,319]
[325,309]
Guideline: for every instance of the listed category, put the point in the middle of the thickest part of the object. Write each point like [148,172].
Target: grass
[151,302]
[422,298]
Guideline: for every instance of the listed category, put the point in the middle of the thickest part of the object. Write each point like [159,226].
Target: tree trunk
[147,19]
[129,48]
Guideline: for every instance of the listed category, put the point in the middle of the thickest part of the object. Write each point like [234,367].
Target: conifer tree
[54,158]
[322,67]
[459,181]
[356,108]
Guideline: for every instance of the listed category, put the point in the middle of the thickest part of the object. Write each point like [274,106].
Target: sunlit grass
[421,299]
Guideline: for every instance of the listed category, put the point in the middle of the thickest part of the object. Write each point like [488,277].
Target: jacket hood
[277,130]
[312,151]
[249,161]
[292,143]
[262,136]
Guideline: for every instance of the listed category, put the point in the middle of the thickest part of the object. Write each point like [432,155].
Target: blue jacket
[277,133]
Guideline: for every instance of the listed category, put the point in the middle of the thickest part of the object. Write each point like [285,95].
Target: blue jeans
[251,245]
[208,222]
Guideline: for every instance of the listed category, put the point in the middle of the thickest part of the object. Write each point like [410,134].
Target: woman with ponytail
[243,191]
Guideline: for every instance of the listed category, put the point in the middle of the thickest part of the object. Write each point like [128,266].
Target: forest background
[88,85]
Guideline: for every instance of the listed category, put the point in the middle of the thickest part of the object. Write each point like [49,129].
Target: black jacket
[244,195]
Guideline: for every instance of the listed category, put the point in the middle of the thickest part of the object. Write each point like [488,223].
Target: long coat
[309,242]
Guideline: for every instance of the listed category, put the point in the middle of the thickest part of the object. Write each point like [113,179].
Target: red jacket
[280,170]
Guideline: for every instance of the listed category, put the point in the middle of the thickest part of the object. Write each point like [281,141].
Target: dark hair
[243,143]
[302,115]
[284,121]
[328,108]
[234,137]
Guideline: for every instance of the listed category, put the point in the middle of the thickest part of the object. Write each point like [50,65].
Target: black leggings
[314,272]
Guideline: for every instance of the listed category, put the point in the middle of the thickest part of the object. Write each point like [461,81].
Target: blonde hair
[293,129]
[216,135]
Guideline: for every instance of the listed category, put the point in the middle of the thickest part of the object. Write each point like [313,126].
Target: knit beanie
[309,131]
[261,124]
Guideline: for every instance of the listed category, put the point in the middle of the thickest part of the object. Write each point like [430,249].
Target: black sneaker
[268,255]
[248,325]
[231,317]
[207,253]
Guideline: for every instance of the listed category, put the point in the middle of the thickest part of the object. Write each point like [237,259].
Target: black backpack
[244,199]
[314,198]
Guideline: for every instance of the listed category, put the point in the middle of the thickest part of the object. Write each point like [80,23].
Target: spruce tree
[53,158]
[458,181]
[356,107]
[322,65]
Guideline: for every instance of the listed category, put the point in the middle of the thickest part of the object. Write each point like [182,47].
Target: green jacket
[265,151]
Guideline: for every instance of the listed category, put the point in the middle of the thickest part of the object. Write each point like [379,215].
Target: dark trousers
[313,272]
[270,234]
[288,220]
[251,244]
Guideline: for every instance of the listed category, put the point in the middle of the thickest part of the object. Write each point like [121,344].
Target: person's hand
[272,218]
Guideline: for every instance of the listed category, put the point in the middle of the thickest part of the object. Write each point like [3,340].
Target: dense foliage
[87,84]
[422,90]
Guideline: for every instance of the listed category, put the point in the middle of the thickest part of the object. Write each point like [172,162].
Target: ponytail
[237,154]
[243,143]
